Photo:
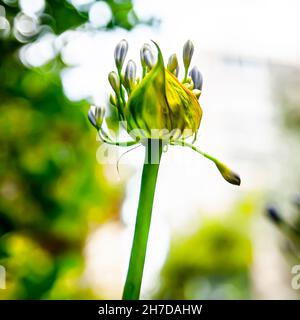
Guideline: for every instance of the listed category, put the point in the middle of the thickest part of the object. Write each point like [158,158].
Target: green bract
[161,102]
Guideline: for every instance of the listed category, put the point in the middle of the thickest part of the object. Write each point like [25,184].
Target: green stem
[153,151]
[190,145]
[106,139]
[185,75]
[229,175]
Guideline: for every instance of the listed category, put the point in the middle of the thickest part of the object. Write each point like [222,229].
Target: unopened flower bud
[96,115]
[228,174]
[188,50]
[112,100]
[130,74]
[120,53]
[197,78]
[114,81]
[147,56]
[173,64]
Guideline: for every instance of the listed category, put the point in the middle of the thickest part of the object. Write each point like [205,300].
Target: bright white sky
[264,30]
[251,29]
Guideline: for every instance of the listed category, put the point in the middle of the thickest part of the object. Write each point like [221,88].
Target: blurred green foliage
[213,262]
[62,15]
[53,192]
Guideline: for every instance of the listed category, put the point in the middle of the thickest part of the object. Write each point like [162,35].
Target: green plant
[156,110]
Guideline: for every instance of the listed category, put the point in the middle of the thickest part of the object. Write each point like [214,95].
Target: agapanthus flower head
[158,104]
[159,101]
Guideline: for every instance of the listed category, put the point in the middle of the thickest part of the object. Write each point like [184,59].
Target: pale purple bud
[120,53]
[197,78]
[130,74]
[188,50]
[96,115]
[147,56]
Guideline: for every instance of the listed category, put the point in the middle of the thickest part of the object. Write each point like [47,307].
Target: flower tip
[91,117]
[155,43]
[229,175]
[96,115]
[130,74]
[160,59]
[120,53]
[235,179]
[188,51]
[147,57]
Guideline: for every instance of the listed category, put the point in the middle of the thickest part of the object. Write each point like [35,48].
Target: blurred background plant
[66,221]
[52,191]
[213,262]
[289,227]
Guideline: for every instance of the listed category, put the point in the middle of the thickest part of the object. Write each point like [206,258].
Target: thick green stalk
[153,151]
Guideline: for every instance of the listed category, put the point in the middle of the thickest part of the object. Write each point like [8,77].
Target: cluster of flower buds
[123,83]
[157,101]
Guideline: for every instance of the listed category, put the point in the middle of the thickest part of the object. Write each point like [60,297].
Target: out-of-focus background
[66,220]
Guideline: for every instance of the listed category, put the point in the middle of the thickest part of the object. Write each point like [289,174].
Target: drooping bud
[228,174]
[96,115]
[114,81]
[173,64]
[197,78]
[188,50]
[147,56]
[120,53]
[130,75]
